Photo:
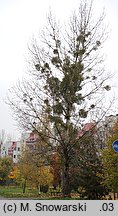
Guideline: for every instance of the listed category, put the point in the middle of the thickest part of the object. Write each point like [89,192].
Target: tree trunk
[114,194]
[65,180]
[39,189]
[24,186]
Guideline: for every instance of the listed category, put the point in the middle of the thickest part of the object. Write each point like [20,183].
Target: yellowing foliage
[46,177]
[13,174]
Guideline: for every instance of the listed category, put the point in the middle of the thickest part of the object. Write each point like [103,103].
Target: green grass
[16,192]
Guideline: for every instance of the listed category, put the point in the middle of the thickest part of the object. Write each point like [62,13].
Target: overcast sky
[19,20]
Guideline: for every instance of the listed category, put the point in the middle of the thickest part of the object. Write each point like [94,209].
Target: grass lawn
[16,192]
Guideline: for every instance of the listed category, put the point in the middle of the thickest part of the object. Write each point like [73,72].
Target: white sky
[19,20]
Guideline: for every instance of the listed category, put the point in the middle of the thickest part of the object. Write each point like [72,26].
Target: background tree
[4,137]
[46,177]
[25,168]
[88,167]
[33,168]
[110,162]
[67,83]
[6,165]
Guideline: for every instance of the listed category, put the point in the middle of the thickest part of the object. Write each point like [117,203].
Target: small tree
[25,168]
[33,165]
[67,84]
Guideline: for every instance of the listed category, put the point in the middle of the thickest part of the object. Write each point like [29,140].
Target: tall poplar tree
[67,83]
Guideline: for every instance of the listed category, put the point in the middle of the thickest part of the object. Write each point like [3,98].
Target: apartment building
[12,149]
[103,128]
